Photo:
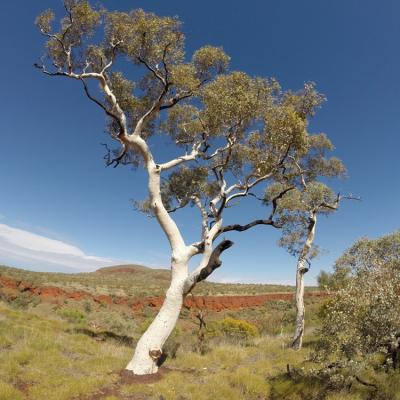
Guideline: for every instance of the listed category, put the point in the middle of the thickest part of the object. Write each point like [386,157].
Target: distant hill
[130,268]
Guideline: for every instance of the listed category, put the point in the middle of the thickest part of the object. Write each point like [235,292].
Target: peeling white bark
[149,348]
[300,310]
[302,269]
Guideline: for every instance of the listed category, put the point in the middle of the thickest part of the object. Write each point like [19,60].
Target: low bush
[72,315]
[232,328]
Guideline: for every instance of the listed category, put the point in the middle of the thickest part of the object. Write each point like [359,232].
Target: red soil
[11,287]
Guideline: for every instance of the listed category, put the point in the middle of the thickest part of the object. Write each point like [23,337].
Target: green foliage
[187,185]
[87,306]
[364,255]
[297,210]
[326,280]
[209,61]
[237,126]
[112,321]
[363,317]
[79,24]
[182,124]
[72,315]
[233,328]
[173,344]
[233,99]
[367,254]
[362,320]
[146,36]
[44,21]
[22,300]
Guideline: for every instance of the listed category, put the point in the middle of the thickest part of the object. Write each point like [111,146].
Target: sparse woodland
[350,348]
[243,136]
[234,140]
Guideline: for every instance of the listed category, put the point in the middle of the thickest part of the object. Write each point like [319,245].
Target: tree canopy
[235,126]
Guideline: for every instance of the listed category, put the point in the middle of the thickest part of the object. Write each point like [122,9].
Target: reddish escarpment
[11,288]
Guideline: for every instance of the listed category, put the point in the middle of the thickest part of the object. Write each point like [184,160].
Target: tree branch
[204,217]
[241,228]
[187,157]
[99,103]
[153,70]
[214,262]
[117,160]
[339,198]
[278,197]
[246,187]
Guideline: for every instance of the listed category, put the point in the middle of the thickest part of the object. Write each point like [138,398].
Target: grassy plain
[76,350]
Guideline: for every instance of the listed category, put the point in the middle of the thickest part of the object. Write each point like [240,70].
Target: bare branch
[163,61]
[98,102]
[153,70]
[181,204]
[214,262]
[241,228]
[114,47]
[155,106]
[179,97]
[334,206]
[176,99]
[246,187]
[269,221]
[117,160]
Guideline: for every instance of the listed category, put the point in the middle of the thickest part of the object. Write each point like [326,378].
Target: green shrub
[23,300]
[87,306]
[72,315]
[233,328]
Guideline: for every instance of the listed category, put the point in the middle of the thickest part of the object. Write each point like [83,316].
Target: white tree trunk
[300,310]
[300,272]
[149,348]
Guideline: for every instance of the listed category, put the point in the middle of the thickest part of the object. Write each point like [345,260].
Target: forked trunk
[148,352]
[300,310]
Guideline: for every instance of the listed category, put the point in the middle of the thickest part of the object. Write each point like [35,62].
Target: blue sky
[57,194]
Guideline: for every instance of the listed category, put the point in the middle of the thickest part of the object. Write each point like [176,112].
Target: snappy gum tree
[297,213]
[239,132]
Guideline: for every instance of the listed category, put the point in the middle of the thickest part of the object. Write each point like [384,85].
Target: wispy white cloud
[30,250]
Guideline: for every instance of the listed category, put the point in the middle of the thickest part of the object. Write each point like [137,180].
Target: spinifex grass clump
[44,359]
